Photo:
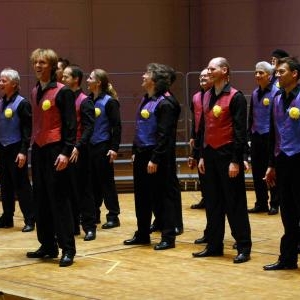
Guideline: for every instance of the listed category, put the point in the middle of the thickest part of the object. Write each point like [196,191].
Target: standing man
[258,129]
[196,109]
[15,134]
[54,135]
[285,159]
[83,202]
[224,140]
[154,167]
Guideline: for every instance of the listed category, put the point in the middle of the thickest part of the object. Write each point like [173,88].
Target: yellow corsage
[217,110]
[97,112]
[145,113]
[294,113]
[46,105]
[266,101]
[8,113]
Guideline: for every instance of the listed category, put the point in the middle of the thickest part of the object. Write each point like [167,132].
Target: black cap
[279,53]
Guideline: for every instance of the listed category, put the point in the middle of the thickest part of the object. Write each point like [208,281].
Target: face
[215,72]
[274,61]
[93,84]
[147,83]
[262,77]
[42,69]
[286,77]
[7,86]
[67,78]
[59,71]
[205,80]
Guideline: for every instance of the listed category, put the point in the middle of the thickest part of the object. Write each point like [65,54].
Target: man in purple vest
[284,162]
[258,130]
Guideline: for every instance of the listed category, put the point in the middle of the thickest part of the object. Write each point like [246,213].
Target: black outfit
[259,152]
[83,202]
[51,192]
[163,185]
[103,174]
[14,180]
[227,196]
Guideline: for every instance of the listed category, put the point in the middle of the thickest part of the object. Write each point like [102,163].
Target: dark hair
[64,61]
[162,75]
[293,64]
[76,72]
[279,53]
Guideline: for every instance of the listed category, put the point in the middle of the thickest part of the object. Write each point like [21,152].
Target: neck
[219,86]
[44,83]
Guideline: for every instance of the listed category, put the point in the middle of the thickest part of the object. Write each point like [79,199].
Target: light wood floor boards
[106,269]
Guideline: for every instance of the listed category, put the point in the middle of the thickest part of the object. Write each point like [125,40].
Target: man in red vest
[221,160]
[53,137]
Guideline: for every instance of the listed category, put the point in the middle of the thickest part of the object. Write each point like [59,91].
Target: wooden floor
[106,269]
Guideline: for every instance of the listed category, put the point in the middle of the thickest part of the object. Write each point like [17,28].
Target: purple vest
[101,130]
[261,111]
[146,124]
[10,127]
[287,130]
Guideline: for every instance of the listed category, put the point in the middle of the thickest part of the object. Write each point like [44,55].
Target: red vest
[198,108]
[78,102]
[46,122]
[218,130]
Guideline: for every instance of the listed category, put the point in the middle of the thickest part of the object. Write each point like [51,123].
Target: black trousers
[287,175]
[259,163]
[155,191]
[103,180]
[226,197]
[82,199]
[15,183]
[51,194]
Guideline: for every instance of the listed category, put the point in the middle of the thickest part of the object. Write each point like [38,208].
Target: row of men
[273,129]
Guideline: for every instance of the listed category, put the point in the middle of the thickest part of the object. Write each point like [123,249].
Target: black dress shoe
[178,230]
[6,223]
[66,260]
[42,253]
[28,228]
[280,266]
[111,224]
[90,235]
[241,258]
[273,211]
[199,205]
[257,209]
[206,253]
[164,245]
[137,241]
[201,240]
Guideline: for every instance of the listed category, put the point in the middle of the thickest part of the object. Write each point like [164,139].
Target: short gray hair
[13,75]
[264,65]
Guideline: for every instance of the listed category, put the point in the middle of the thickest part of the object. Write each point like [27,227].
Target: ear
[295,74]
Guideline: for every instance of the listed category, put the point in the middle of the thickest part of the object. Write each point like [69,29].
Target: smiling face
[42,69]
[204,80]
[93,84]
[216,71]
[7,86]
[287,78]
[68,79]
[262,77]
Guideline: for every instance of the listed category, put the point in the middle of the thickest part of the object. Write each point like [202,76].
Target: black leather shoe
[111,224]
[280,266]
[201,240]
[90,235]
[5,223]
[241,258]
[199,205]
[41,253]
[257,209]
[178,230]
[137,241]
[206,253]
[164,245]
[66,260]
[28,228]
[273,211]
